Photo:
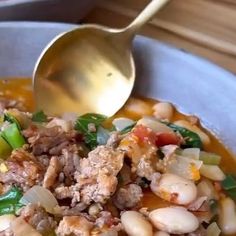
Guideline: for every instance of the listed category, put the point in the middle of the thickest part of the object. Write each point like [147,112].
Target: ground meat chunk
[143,155]
[74,225]
[128,196]
[52,172]
[48,140]
[96,177]
[106,220]
[114,139]
[70,162]
[38,218]
[23,170]
[10,103]
[63,192]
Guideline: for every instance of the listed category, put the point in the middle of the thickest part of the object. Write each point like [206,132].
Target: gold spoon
[89,69]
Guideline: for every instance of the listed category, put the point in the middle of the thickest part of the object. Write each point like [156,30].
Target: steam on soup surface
[147,171]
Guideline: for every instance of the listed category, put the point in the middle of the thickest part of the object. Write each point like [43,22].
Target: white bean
[227,216]
[161,233]
[135,224]
[174,220]
[206,188]
[138,107]
[203,136]
[212,172]
[163,110]
[174,188]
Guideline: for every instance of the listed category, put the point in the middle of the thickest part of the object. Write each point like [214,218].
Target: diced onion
[212,172]
[21,228]
[5,221]
[43,196]
[213,230]
[102,136]
[154,125]
[192,153]
[122,123]
[185,167]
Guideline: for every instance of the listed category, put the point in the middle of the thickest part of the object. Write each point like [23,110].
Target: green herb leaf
[192,140]
[229,185]
[82,123]
[39,117]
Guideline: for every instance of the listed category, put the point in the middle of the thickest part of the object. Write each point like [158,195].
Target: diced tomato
[167,138]
[144,134]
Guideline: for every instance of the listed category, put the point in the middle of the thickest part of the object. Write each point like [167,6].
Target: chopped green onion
[39,117]
[5,148]
[229,185]
[13,136]
[11,119]
[210,158]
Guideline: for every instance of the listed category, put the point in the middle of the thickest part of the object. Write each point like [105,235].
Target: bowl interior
[194,85]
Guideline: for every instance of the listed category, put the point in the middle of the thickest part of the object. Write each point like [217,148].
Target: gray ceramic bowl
[46,10]
[194,85]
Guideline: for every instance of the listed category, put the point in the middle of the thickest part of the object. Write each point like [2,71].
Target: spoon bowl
[89,69]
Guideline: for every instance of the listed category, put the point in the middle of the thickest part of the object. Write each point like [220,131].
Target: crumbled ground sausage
[128,196]
[10,103]
[52,172]
[96,177]
[48,140]
[23,170]
[74,225]
[37,217]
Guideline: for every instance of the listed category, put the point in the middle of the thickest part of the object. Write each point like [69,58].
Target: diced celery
[210,158]
[13,136]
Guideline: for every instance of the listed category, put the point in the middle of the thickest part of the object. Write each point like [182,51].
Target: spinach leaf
[82,122]
[128,128]
[39,117]
[229,185]
[192,140]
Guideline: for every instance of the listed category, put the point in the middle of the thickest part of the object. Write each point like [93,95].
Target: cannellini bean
[135,224]
[206,188]
[203,136]
[163,110]
[212,172]
[174,188]
[174,220]
[227,216]
[138,107]
[161,233]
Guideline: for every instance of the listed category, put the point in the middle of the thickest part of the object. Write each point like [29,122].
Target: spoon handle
[150,10]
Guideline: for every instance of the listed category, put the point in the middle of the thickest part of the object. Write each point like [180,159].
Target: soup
[149,170]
